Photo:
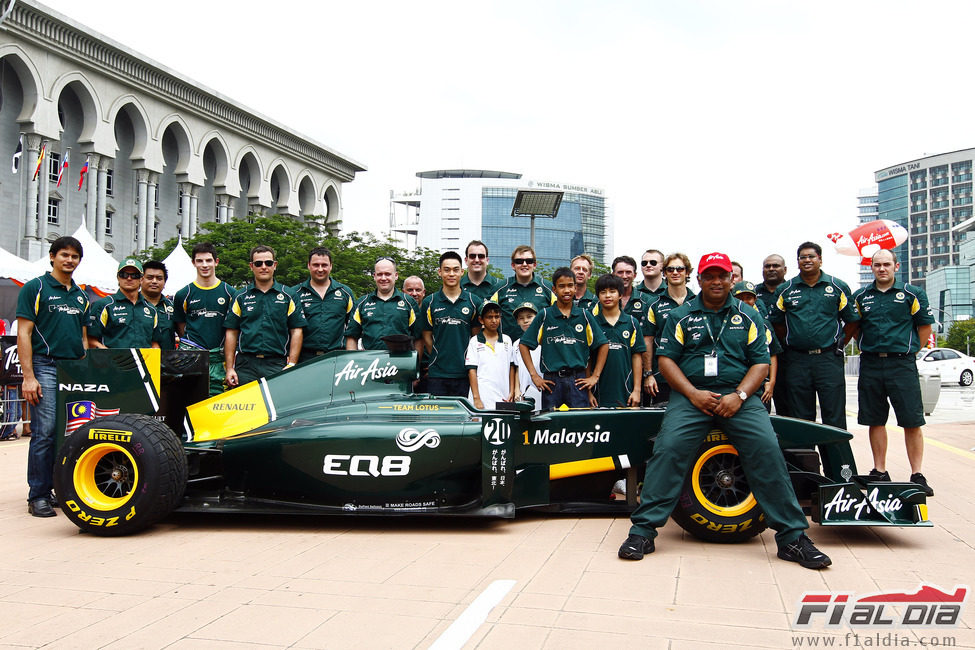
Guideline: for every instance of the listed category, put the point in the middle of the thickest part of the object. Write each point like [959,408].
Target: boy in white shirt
[526,391]
[489,361]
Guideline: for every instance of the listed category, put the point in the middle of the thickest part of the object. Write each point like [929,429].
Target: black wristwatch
[647,373]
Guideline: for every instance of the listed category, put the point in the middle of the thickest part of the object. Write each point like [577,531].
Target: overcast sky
[744,127]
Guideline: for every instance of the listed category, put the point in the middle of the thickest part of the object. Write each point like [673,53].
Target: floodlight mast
[537,203]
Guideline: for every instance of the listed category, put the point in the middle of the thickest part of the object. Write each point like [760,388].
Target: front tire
[966,378]
[119,474]
[716,504]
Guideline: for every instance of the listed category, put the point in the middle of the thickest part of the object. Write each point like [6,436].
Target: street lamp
[536,203]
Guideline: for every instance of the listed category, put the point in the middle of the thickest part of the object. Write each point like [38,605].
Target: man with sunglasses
[384,312]
[652,266]
[264,325]
[125,319]
[154,276]
[476,281]
[677,267]
[524,286]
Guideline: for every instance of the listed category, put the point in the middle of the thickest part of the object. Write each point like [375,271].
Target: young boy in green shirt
[624,362]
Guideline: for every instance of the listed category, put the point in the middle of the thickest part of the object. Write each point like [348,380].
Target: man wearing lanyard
[714,356]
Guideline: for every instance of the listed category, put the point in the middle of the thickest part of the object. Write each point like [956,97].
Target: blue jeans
[40,455]
[565,392]
[11,411]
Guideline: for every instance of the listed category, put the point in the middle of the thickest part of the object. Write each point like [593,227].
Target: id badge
[711,365]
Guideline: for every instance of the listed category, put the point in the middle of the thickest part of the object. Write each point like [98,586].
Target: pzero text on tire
[716,504]
[119,474]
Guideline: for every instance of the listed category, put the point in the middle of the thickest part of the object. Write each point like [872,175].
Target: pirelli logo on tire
[109,435]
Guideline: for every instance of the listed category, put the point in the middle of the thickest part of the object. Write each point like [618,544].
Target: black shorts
[894,379]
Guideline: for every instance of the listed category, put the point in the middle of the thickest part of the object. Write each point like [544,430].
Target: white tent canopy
[180,268]
[97,268]
[15,267]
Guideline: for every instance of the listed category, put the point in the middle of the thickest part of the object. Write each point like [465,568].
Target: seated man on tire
[714,355]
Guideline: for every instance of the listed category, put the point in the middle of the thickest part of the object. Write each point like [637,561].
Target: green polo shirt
[511,294]
[373,318]
[587,302]
[656,313]
[326,317]
[625,340]
[482,291]
[164,320]
[642,288]
[59,315]
[566,341]
[120,323]
[693,331]
[765,295]
[813,315]
[264,319]
[654,320]
[451,323]
[889,320]
[774,347]
[637,305]
[203,310]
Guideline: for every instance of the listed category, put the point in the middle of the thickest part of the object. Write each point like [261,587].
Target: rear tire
[716,504]
[119,474]
[966,378]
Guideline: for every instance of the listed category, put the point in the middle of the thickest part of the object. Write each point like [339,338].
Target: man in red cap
[714,354]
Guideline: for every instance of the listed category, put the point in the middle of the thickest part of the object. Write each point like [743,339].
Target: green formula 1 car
[343,434]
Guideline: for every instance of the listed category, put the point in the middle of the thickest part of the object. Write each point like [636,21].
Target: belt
[262,356]
[887,355]
[311,351]
[566,372]
[813,351]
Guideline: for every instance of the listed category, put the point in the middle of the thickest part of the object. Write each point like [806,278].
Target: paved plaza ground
[275,582]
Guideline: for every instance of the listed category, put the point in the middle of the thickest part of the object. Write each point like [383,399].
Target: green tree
[353,254]
[961,335]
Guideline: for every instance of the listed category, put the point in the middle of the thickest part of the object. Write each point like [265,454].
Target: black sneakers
[41,508]
[802,551]
[874,475]
[923,482]
[635,547]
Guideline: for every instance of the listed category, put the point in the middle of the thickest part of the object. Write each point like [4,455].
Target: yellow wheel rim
[105,476]
[718,481]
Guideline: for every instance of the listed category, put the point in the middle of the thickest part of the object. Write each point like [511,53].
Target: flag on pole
[40,160]
[15,163]
[84,172]
[64,167]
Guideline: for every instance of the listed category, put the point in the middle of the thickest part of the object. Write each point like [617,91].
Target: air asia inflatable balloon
[868,238]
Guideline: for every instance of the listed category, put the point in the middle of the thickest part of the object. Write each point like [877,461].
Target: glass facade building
[453,207]
[932,198]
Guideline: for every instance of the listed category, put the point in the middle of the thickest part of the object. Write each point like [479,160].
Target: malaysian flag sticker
[79,413]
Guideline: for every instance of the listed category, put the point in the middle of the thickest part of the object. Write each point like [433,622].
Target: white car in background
[951,364]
